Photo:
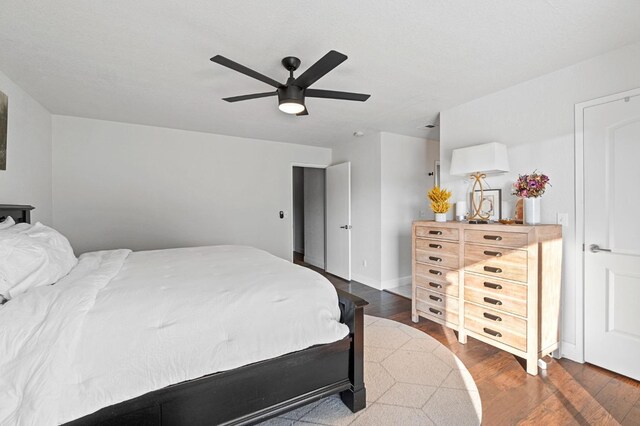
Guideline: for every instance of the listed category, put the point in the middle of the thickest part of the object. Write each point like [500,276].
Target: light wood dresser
[497,283]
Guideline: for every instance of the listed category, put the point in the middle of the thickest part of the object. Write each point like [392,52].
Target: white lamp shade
[488,158]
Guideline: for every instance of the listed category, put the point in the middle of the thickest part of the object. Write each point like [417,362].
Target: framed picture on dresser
[491,203]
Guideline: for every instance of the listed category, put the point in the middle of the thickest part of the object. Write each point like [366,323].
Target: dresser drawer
[497,262]
[438,306]
[496,325]
[437,232]
[496,238]
[438,300]
[426,274]
[437,314]
[437,286]
[496,293]
[437,253]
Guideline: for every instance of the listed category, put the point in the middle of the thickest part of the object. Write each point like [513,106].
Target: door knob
[345,227]
[596,248]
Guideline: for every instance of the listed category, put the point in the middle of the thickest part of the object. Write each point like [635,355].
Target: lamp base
[478,222]
[477,215]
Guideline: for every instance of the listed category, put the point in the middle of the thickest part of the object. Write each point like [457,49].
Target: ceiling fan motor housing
[291,94]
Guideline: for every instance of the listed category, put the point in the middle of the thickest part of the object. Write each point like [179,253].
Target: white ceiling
[147,61]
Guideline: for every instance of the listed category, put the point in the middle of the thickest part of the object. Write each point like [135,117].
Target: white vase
[441,217]
[532,211]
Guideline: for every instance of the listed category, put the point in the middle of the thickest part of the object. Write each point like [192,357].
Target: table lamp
[478,161]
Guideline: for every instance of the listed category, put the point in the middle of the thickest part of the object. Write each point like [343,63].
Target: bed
[254,390]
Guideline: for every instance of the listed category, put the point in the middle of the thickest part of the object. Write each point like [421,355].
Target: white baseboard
[571,351]
[381,285]
[318,263]
[396,282]
[367,281]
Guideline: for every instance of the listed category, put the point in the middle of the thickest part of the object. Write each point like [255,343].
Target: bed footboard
[352,310]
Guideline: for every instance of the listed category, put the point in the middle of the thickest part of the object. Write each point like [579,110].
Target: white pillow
[35,256]
[18,227]
[7,223]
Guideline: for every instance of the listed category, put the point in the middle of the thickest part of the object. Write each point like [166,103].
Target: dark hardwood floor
[567,393]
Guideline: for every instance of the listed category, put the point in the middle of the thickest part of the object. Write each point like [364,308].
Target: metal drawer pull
[492,332]
[435,232]
[493,237]
[492,253]
[435,311]
[492,317]
[492,301]
[492,285]
[434,272]
[492,269]
[435,246]
[437,299]
[435,285]
[435,259]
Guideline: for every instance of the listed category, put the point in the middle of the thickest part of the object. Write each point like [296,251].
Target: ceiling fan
[292,94]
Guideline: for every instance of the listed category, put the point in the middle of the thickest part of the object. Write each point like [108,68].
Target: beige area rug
[411,379]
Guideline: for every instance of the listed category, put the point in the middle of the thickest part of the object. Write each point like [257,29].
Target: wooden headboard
[17,212]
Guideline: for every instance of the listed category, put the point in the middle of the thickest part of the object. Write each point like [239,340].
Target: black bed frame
[254,392]
[19,213]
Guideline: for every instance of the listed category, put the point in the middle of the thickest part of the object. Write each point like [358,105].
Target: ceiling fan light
[291,99]
[291,107]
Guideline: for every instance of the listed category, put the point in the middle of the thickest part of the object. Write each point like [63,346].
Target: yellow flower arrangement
[439,199]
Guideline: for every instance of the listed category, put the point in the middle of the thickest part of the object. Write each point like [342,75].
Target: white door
[612,223]
[338,179]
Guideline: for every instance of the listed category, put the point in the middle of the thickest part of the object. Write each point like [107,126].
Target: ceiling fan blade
[244,70]
[251,96]
[316,71]
[332,94]
[305,112]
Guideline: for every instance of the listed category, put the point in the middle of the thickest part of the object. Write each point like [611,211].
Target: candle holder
[461,211]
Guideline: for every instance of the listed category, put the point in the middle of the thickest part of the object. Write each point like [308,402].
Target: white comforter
[122,324]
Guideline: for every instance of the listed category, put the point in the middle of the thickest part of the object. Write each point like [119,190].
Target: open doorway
[309,216]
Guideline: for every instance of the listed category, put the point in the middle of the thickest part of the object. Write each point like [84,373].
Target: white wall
[298,209]
[27,179]
[314,216]
[389,183]
[535,120]
[405,164]
[141,187]
[364,154]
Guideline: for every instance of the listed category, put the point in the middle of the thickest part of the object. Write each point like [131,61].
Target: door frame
[576,352]
[291,234]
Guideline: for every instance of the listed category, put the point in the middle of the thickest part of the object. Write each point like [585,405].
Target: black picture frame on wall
[4,108]
[492,204]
